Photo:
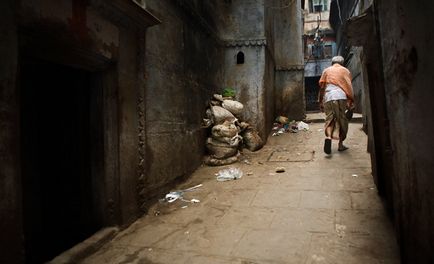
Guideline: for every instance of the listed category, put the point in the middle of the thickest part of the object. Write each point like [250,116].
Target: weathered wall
[79,26]
[270,67]
[290,99]
[408,65]
[183,70]
[10,190]
[95,37]
[241,19]
[398,69]
[72,21]
[248,80]
[355,66]
[289,61]
[288,32]
[269,96]
[246,26]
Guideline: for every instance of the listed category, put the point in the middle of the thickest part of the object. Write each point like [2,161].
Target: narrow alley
[120,119]
[320,210]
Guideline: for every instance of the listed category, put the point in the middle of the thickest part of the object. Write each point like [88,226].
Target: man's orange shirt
[340,76]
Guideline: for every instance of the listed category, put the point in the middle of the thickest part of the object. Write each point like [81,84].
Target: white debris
[229,174]
[175,195]
[302,126]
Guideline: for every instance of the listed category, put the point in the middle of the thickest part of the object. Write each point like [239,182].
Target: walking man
[335,96]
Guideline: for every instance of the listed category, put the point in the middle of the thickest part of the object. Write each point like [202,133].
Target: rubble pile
[227,134]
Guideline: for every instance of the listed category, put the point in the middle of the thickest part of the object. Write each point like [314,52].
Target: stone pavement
[322,209]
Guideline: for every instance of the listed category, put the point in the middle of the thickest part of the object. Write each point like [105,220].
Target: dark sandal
[328,146]
[343,148]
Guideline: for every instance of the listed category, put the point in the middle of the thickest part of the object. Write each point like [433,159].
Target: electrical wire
[339,9]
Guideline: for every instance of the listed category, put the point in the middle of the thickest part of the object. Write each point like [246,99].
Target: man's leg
[329,125]
[341,146]
[329,131]
[343,125]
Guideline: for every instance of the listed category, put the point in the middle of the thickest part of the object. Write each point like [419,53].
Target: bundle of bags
[227,133]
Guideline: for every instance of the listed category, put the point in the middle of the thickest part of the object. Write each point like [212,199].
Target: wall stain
[406,63]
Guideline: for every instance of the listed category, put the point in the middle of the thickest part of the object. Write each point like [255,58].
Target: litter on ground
[282,125]
[229,174]
[179,195]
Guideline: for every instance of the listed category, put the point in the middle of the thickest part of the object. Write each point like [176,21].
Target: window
[318,6]
[240,58]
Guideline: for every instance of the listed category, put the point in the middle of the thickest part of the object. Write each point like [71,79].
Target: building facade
[319,47]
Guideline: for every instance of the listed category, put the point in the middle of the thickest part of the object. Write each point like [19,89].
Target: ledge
[290,68]
[245,42]
[126,12]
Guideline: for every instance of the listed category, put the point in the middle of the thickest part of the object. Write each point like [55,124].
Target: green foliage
[228,92]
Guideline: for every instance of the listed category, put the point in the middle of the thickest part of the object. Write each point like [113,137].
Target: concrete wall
[408,64]
[289,61]
[249,81]
[288,32]
[93,36]
[397,65]
[11,240]
[183,70]
[96,30]
[290,99]
[155,87]
[240,19]
[355,66]
[247,26]
[73,21]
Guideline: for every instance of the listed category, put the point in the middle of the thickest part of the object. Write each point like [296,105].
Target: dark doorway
[58,157]
[311,93]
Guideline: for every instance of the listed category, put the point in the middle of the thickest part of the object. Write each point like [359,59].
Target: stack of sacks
[225,138]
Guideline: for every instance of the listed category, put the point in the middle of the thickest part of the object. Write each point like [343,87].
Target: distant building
[319,47]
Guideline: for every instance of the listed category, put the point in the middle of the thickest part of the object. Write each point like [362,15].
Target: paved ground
[321,210]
